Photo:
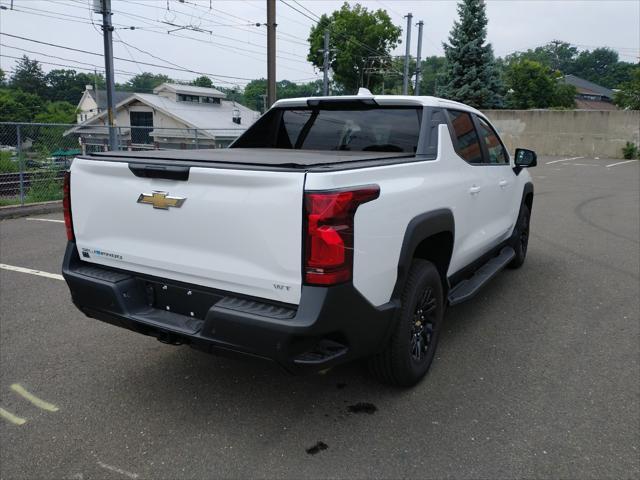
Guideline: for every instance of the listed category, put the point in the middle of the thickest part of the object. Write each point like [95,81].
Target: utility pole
[271,52]
[107,34]
[325,67]
[264,103]
[419,59]
[405,83]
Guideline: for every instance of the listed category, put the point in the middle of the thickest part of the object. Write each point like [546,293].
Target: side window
[497,152]
[467,143]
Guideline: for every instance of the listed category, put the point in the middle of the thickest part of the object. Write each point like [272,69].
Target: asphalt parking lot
[537,377]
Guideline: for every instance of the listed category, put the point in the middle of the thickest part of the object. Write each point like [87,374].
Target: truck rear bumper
[331,325]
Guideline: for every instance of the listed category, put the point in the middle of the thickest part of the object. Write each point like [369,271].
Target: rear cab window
[352,128]
[465,137]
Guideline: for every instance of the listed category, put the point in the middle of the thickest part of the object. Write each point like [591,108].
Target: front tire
[412,345]
[521,238]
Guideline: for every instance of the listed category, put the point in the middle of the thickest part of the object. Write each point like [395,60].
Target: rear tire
[521,238]
[412,345]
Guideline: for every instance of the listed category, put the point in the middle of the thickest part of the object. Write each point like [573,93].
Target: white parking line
[55,276]
[10,417]
[117,470]
[45,220]
[38,402]
[563,160]
[620,163]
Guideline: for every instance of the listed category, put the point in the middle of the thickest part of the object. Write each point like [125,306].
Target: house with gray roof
[174,116]
[94,102]
[589,95]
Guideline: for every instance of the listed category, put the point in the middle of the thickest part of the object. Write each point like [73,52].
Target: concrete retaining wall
[586,133]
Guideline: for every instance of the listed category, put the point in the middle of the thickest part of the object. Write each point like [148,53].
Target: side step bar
[466,289]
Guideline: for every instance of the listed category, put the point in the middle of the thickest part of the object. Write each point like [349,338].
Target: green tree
[601,65]
[557,55]
[3,78]
[233,94]
[471,76]
[595,65]
[57,112]
[356,34]
[432,74]
[145,82]
[385,75]
[68,85]
[203,81]
[19,106]
[628,97]
[533,85]
[29,77]
[253,92]
[255,89]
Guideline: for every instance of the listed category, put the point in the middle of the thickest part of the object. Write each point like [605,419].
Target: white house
[173,116]
[94,102]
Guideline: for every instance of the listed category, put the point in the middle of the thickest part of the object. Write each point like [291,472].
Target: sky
[221,37]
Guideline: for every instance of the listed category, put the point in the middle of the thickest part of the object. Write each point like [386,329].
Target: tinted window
[467,144]
[369,129]
[497,153]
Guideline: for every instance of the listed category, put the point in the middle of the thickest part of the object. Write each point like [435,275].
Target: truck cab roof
[383,100]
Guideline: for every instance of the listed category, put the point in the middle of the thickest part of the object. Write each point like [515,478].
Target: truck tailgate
[236,230]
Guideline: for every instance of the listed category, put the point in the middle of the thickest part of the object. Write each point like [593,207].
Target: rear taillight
[329,233]
[66,206]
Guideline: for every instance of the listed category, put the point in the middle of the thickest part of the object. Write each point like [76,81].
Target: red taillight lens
[329,233]
[66,206]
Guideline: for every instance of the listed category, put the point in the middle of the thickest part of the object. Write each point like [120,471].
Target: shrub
[630,151]
[44,187]
[7,165]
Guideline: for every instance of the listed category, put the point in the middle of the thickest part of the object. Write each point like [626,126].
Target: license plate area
[180,300]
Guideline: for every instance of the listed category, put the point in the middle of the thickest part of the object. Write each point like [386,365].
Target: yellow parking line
[11,417]
[20,390]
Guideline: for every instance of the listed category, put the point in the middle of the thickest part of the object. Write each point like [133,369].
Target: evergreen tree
[29,77]
[471,76]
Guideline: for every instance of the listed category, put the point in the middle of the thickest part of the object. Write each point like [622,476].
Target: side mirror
[526,158]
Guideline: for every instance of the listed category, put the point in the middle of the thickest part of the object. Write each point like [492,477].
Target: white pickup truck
[334,228]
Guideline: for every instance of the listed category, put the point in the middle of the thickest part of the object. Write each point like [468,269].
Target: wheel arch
[429,236]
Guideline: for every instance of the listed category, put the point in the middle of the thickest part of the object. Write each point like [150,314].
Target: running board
[466,289]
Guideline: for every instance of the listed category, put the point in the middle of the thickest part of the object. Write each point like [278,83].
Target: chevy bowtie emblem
[161,200]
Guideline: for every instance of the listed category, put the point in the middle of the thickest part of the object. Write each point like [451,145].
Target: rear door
[475,216]
[234,230]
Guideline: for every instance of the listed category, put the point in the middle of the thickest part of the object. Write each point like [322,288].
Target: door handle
[503,183]
[474,190]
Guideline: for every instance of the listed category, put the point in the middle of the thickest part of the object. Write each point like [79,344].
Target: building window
[210,100]
[188,98]
[141,125]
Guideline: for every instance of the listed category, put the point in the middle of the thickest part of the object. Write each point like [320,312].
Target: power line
[47,55]
[299,11]
[141,19]
[120,72]
[121,59]
[80,4]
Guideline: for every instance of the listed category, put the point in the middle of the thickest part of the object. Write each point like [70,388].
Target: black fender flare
[420,228]
[528,189]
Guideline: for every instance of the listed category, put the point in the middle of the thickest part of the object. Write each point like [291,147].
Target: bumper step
[324,351]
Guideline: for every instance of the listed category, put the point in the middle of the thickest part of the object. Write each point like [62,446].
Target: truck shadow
[200,392]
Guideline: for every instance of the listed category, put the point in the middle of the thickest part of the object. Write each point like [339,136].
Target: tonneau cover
[268,157]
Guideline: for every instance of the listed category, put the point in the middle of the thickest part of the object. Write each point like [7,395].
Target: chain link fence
[34,156]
